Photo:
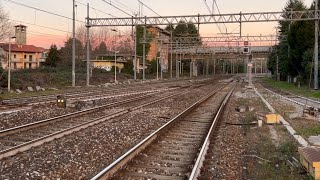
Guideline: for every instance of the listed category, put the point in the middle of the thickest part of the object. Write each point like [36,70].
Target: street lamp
[9,65]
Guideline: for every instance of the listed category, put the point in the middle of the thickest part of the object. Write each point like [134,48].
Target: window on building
[30,57]
[14,56]
[15,65]
[25,56]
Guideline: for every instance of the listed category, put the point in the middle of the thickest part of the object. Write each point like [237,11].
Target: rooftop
[21,48]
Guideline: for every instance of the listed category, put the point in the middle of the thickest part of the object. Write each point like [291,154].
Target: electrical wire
[96,9]
[41,10]
[219,12]
[206,4]
[152,10]
[32,24]
[109,3]
[46,34]
[127,7]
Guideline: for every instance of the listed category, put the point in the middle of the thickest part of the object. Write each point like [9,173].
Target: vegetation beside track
[292,88]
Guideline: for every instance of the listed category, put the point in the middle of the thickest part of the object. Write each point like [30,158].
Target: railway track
[172,151]
[78,94]
[24,137]
[19,107]
[302,101]
[19,104]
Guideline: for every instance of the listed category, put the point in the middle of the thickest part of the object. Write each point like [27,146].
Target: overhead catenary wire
[206,4]
[219,12]
[109,3]
[93,8]
[127,7]
[151,10]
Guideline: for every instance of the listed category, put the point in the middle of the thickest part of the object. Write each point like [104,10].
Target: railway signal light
[61,101]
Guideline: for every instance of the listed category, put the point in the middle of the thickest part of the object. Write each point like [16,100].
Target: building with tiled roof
[22,56]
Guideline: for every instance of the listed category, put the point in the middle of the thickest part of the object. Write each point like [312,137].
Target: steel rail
[129,155]
[199,162]
[29,126]
[36,142]
[291,100]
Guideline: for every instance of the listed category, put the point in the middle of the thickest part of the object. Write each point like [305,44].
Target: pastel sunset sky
[44,37]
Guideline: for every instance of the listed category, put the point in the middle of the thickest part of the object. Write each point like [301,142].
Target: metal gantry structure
[208,19]
[307,15]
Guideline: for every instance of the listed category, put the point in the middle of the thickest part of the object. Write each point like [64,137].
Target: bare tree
[125,45]
[6,28]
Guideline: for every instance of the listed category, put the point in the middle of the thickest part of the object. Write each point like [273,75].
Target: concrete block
[251,109]
[38,88]
[30,89]
[272,119]
[53,89]
[241,109]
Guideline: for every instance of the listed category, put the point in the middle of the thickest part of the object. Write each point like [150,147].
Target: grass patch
[311,131]
[29,94]
[282,85]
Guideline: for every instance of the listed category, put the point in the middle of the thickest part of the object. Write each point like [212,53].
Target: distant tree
[66,53]
[181,29]
[128,67]
[184,29]
[5,25]
[92,54]
[192,30]
[298,41]
[125,45]
[169,28]
[53,56]
[101,49]
[139,45]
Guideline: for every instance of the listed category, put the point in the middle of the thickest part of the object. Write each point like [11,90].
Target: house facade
[159,46]
[23,56]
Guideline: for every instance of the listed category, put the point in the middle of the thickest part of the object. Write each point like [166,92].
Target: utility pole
[316,46]
[177,65]
[74,46]
[9,65]
[180,65]
[135,64]
[161,61]
[240,24]
[278,74]
[88,47]
[158,68]
[115,55]
[144,49]
[277,63]
[191,68]
[171,58]
[207,68]
[214,65]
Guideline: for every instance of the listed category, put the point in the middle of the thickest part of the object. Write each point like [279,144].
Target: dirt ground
[246,151]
